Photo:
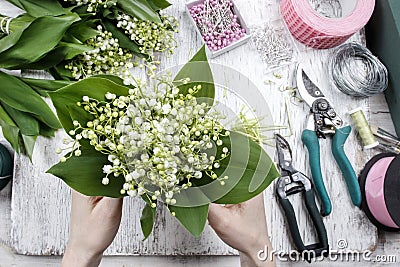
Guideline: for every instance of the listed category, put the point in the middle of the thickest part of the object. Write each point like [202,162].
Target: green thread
[363,128]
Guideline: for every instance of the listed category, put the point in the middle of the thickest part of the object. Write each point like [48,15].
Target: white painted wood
[40,204]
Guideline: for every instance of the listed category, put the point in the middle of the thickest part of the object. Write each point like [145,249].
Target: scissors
[325,121]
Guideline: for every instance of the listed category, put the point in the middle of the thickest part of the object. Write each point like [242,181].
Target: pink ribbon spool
[374,192]
[316,31]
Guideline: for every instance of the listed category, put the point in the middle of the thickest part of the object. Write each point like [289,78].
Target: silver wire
[356,71]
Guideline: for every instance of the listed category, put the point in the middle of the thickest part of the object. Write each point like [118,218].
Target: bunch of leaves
[250,168]
[49,35]
[67,29]
[24,115]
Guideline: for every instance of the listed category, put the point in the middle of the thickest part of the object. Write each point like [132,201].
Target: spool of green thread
[363,128]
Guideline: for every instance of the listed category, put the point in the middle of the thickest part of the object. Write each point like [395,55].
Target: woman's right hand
[243,227]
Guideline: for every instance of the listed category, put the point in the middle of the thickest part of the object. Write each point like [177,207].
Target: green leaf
[35,42]
[123,40]
[27,124]
[81,31]
[20,96]
[9,129]
[158,4]
[17,28]
[147,220]
[64,51]
[59,72]
[41,86]
[18,141]
[28,143]
[114,79]
[86,178]
[11,134]
[46,131]
[192,218]
[39,8]
[139,9]
[246,166]
[65,99]
[199,72]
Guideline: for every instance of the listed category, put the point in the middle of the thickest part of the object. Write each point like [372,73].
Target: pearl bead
[219,29]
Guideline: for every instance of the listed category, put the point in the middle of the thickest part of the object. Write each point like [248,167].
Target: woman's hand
[93,226]
[243,227]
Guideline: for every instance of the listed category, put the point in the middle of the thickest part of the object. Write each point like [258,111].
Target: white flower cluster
[158,139]
[151,36]
[107,57]
[93,5]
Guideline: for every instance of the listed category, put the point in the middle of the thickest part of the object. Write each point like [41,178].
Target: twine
[7,20]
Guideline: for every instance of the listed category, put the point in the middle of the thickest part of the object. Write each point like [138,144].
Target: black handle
[292,222]
[320,248]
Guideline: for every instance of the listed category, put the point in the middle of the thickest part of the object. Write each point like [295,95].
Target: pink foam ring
[314,30]
[375,192]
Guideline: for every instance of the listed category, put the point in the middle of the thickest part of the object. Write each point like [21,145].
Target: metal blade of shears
[308,91]
[284,156]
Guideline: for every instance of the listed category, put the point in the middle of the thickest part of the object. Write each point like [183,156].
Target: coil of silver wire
[356,71]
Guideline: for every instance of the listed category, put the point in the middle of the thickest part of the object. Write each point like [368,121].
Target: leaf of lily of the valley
[84,174]
[199,72]
[67,97]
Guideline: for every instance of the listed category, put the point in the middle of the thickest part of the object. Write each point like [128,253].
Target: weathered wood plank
[40,204]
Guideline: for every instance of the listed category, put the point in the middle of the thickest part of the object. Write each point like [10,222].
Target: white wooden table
[36,221]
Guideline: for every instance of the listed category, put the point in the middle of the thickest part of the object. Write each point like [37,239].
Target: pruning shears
[292,182]
[323,122]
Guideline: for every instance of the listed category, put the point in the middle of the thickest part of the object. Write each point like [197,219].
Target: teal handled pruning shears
[323,122]
[294,182]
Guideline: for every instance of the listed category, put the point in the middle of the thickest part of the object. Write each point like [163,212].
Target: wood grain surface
[40,202]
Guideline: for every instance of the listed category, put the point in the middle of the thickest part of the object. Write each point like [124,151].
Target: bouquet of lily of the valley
[162,141]
[72,40]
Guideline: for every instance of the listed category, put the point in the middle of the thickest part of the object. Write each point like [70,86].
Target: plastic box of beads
[219,23]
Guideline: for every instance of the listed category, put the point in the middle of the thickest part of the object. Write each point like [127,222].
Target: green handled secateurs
[325,121]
